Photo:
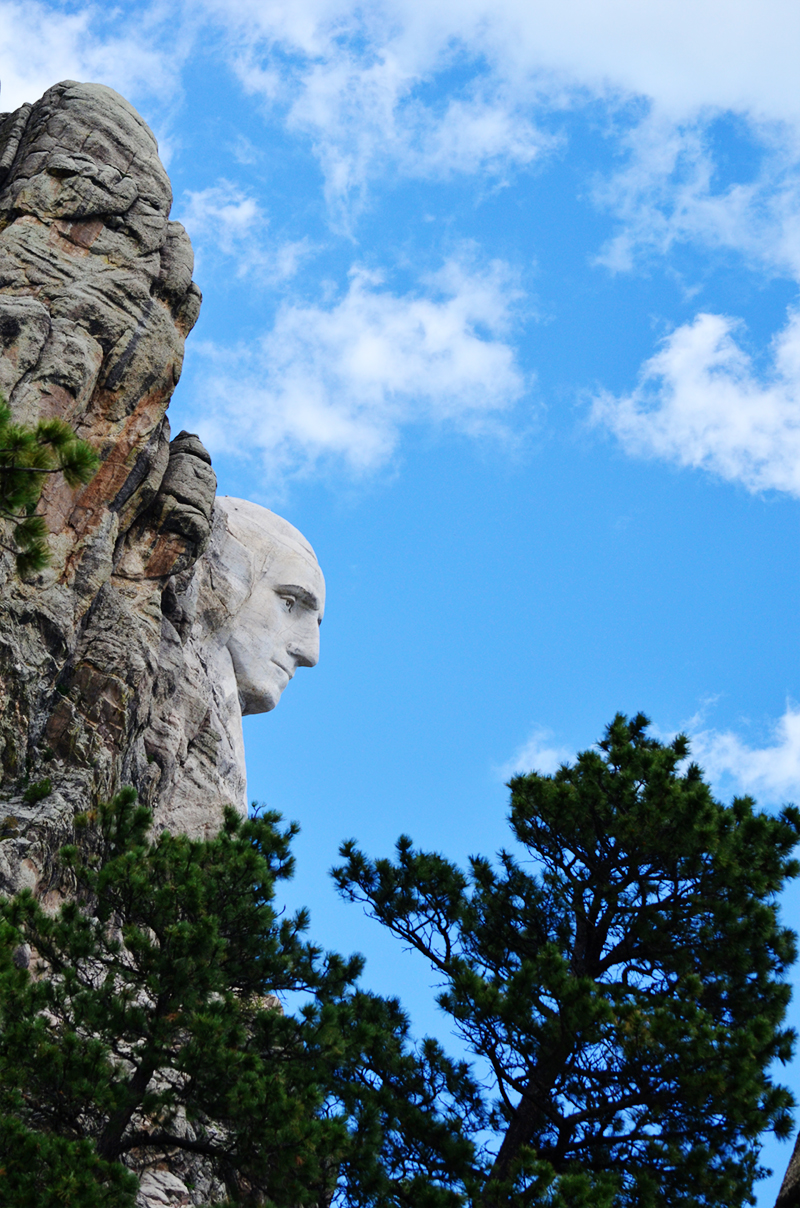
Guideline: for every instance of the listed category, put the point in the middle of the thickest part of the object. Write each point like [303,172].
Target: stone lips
[96,300]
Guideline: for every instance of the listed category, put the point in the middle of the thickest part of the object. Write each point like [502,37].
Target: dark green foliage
[27,456]
[37,792]
[43,1170]
[152,1010]
[621,979]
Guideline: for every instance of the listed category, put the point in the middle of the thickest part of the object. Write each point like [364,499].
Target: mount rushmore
[166,613]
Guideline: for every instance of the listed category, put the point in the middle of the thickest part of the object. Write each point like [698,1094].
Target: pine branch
[28,454]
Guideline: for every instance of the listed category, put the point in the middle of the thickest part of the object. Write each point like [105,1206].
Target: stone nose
[304,643]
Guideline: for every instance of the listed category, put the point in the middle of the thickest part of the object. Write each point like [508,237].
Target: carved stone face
[262,601]
[277,629]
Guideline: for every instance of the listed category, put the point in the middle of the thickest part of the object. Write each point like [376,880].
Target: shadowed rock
[789,1194]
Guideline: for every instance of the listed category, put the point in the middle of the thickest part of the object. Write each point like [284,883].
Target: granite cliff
[96,301]
[165,613]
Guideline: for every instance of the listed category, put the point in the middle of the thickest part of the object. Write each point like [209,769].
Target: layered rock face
[96,300]
[165,613]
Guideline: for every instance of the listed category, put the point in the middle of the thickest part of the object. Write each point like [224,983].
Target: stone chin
[261,697]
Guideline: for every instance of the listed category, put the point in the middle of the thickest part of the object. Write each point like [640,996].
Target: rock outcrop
[789,1194]
[165,613]
[96,300]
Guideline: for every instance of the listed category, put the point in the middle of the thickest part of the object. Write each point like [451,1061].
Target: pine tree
[147,1025]
[27,455]
[619,976]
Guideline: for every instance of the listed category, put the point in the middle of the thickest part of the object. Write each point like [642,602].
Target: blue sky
[501,311]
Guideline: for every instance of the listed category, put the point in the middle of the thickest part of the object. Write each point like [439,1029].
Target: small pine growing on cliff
[27,456]
[620,976]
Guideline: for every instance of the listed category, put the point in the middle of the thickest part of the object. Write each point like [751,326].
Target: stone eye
[290,602]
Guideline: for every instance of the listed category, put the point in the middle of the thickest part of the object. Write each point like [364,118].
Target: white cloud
[700,402]
[224,220]
[340,381]
[41,44]
[669,193]
[538,754]
[364,83]
[222,212]
[474,134]
[684,54]
[771,773]
[365,116]
[366,121]
[362,80]
[356,80]
[469,86]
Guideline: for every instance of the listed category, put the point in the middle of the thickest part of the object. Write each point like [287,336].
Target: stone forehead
[79,128]
[96,108]
[260,530]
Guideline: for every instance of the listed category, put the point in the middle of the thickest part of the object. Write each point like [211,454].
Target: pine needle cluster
[28,454]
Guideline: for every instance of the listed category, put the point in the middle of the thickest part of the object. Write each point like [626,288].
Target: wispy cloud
[394,88]
[42,43]
[669,192]
[731,764]
[361,81]
[771,773]
[340,381]
[700,402]
[436,89]
[539,754]
[225,220]
[363,84]
[224,213]
[366,118]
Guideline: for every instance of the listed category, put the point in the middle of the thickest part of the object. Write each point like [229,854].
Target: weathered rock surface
[96,299]
[131,659]
[165,614]
[789,1194]
[161,1189]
